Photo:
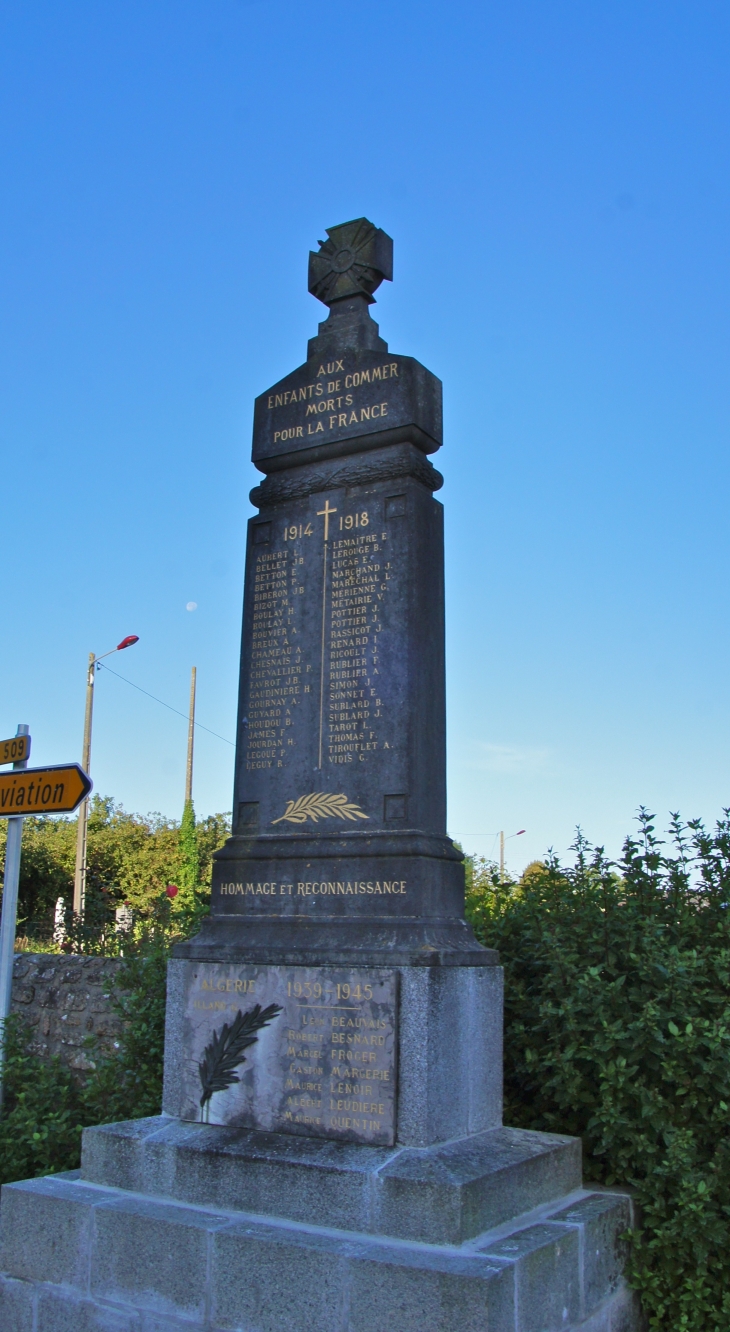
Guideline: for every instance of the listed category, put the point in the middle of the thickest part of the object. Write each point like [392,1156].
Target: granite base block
[130,1263]
[449,1037]
[45,1230]
[603,1219]
[620,1312]
[438,1195]
[62,1310]
[17,1305]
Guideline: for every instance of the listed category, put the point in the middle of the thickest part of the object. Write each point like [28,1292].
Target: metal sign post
[9,913]
[55,790]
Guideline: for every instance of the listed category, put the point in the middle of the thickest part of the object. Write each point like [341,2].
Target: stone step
[94,1259]
[444,1194]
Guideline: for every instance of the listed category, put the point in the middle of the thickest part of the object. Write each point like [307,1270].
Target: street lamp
[502,840]
[82,825]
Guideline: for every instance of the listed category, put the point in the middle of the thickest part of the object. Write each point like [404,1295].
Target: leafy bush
[131,858]
[617,1029]
[46,1106]
[128,1084]
[40,1130]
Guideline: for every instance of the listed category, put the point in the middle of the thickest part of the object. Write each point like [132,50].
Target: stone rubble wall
[64,999]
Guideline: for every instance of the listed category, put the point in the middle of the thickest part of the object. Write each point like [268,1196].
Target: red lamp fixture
[127,642]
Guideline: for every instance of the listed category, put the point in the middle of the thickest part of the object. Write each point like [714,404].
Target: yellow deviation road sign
[15,750]
[43,790]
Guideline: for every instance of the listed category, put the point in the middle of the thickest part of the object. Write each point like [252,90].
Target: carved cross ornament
[352,262]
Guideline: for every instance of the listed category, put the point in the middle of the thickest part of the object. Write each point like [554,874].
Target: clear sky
[555,178]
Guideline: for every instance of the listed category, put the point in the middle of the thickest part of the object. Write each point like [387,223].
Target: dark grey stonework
[339,851]
[359,714]
[337,399]
[353,261]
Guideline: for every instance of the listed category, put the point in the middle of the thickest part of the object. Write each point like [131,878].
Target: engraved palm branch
[224,1053]
[320,805]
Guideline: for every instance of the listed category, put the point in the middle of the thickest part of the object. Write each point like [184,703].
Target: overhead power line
[164,704]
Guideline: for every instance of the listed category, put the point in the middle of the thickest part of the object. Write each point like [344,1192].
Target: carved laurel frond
[225,1051]
[320,805]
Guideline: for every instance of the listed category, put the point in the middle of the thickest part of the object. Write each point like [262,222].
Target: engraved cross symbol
[326,511]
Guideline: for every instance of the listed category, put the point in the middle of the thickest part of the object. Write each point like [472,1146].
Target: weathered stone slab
[452,1192]
[61,1310]
[547,1275]
[325,1065]
[45,1230]
[603,1218]
[161,1267]
[441,1195]
[16,1305]
[449,1036]
[152,1254]
[332,1283]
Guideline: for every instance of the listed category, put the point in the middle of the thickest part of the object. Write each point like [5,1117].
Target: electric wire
[104,667]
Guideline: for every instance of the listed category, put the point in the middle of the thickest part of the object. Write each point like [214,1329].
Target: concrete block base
[98,1258]
[443,1194]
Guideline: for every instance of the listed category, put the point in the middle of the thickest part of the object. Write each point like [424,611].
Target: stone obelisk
[339,874]
[339,850]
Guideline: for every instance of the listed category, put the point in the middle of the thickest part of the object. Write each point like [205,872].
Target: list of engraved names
[320,589]
[325,1065]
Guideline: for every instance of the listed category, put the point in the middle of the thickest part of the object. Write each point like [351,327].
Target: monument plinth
[331,1155]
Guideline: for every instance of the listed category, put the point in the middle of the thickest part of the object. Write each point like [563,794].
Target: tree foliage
[617,1029]
[46,1107]
[131,858]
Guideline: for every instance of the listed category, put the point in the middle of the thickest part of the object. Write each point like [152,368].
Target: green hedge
[617,1029]
[131,858]
[46,1107]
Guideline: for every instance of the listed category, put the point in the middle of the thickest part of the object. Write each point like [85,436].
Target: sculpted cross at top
[352,262]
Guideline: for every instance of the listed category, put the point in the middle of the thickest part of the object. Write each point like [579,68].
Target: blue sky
[555,177]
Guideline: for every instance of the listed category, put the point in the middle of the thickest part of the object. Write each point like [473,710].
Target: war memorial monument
[331,1155]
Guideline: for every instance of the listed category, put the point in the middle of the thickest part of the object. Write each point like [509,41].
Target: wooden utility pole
[9,916]
[191,734]
[501,857]
[83,819]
